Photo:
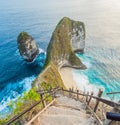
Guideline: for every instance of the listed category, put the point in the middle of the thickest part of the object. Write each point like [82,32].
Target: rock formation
[68,36]
[27,47]
[78,36]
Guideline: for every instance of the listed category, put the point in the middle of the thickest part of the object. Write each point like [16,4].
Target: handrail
[32,120]
[108,102]
[22,113]
[31,107]
[52,91]
[113,93]
[99,99]
[49,91]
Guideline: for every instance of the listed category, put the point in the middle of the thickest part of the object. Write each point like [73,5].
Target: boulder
[27,46]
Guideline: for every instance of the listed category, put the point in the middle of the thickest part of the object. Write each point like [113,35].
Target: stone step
[69,101]
[64,110]
[64,120]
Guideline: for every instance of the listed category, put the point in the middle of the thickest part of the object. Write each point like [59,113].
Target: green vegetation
[28,99]
[73,59]
[23,36]
[88,111]
[22,103]
[49,78]
[60,47]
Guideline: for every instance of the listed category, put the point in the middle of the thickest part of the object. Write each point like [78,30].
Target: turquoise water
[100,73]
[39,18]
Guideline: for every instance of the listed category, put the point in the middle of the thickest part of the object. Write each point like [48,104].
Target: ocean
[39,18]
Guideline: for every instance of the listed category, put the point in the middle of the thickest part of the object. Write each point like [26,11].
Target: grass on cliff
[51,77]
[74,60]
[60,46]
[22,36]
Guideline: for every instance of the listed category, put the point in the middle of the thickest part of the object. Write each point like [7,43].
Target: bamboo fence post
[53,94]
[62,92]
[69,92]
[72,93]
[77,94]
[90,99]
[43,101]
[97,102]
[83,98]
[87,97]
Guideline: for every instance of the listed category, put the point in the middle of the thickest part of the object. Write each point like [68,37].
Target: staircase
[65,111]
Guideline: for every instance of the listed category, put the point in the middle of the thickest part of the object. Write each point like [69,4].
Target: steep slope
[68,36]
[49,78]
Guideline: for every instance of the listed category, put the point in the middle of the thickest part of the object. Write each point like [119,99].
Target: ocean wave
[12,91]
[86,60]
[18,54]
[41,51]
[97,75]
[83,83]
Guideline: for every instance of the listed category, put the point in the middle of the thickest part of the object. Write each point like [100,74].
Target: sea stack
[27,46]
[67,38]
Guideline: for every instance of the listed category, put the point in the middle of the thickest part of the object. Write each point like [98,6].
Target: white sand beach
[67,77]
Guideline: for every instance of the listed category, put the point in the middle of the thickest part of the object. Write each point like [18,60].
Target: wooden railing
[113,93]
[42,101]
[88,98]
[105,101]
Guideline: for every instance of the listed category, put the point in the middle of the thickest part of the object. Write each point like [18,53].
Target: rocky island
[27,46]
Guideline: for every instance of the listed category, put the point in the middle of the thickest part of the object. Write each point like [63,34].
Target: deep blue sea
[39,18]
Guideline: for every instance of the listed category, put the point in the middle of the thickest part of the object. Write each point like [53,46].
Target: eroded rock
[27,47]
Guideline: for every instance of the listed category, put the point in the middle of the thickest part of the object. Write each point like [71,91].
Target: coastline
[67,77]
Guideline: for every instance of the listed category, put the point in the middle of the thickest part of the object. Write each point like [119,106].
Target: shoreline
[67,77]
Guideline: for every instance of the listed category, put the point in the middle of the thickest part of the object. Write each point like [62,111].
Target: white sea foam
[12,93]
[41,51]
[88,64]
[83,84]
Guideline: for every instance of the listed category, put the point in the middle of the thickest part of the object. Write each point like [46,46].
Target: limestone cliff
[49,78]
[27,46]
[68,36]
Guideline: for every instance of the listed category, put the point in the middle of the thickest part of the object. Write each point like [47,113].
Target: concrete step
[64,120]
[65,111]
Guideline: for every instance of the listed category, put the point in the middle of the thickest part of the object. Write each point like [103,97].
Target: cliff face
[27,46]
[78,36]
[49,78]
[68,36]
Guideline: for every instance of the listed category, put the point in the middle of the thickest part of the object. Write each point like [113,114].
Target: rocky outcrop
[61,53]
[27,47]
[49,78]
[68,36]
[78,36]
